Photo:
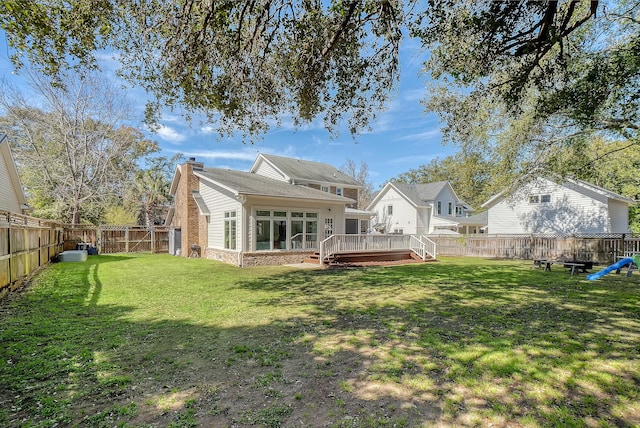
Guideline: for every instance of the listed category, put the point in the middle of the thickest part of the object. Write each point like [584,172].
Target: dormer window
[325,189]
[339,191]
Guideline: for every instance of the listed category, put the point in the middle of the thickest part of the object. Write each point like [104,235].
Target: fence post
[126,239]
[10,247]
[27,242]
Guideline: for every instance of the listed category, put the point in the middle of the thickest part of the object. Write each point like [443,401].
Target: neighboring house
[272,215]
[544,206]
[12,197]
[420,209]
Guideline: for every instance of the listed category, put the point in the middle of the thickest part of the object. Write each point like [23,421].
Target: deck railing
[423,246]
[354,243]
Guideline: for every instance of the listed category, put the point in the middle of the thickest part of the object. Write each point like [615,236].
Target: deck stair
[368,256]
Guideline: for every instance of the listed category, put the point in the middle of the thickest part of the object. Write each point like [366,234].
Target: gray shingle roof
[482,218]
[303,170]
[421,193]
[246,183]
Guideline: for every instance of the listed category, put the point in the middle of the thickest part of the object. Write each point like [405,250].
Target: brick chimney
[186,206]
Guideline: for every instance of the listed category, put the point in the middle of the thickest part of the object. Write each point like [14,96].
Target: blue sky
[401,138]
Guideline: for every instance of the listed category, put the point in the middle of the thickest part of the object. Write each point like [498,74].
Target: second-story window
[325,189]
[450,211]
[389,209]
[339,191]
[458,211]
[439,208]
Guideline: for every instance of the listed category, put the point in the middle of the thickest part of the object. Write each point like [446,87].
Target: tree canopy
[526,80]
[243,64]
[518,80]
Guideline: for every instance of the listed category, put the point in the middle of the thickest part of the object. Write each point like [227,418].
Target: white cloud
[169,134]
[207,129]
[421,136]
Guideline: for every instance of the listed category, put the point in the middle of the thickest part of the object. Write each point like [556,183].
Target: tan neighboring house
[276,213]
[12,197]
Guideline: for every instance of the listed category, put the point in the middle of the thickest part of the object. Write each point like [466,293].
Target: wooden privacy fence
[600,248]
[119,239]
[26,243]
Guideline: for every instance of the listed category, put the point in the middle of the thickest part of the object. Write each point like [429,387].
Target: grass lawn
[155,340]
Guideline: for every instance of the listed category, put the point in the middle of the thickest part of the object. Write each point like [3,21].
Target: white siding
[265,169]
[218,201]
[619,215]
[572,209]
[8,199]
[445,197]
[424,226]
[404,215]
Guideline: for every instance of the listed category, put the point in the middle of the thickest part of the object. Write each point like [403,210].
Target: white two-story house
[276,213]
[421,209]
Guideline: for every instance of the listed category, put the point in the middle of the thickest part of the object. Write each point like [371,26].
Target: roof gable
[420,195]
[298,170]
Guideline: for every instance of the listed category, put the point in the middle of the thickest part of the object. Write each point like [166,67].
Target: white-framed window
[389,209]
[398,231]
[339,191]
[450,208]
[439,207]
[458,211]
[286,230]
[539,199]
[324,188]
[230,230]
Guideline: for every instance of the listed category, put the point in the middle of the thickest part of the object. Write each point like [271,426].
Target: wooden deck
[356,257]
[341,248]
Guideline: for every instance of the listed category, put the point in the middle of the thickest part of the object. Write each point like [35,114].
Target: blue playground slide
[619,265]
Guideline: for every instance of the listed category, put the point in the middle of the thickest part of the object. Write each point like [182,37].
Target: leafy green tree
[119,215]
[149,190]
[75,156]
[526,80]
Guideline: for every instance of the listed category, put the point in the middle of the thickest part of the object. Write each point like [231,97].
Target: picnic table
[543,263]
[576,266]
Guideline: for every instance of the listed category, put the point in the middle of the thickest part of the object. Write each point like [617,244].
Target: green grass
[154,340]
